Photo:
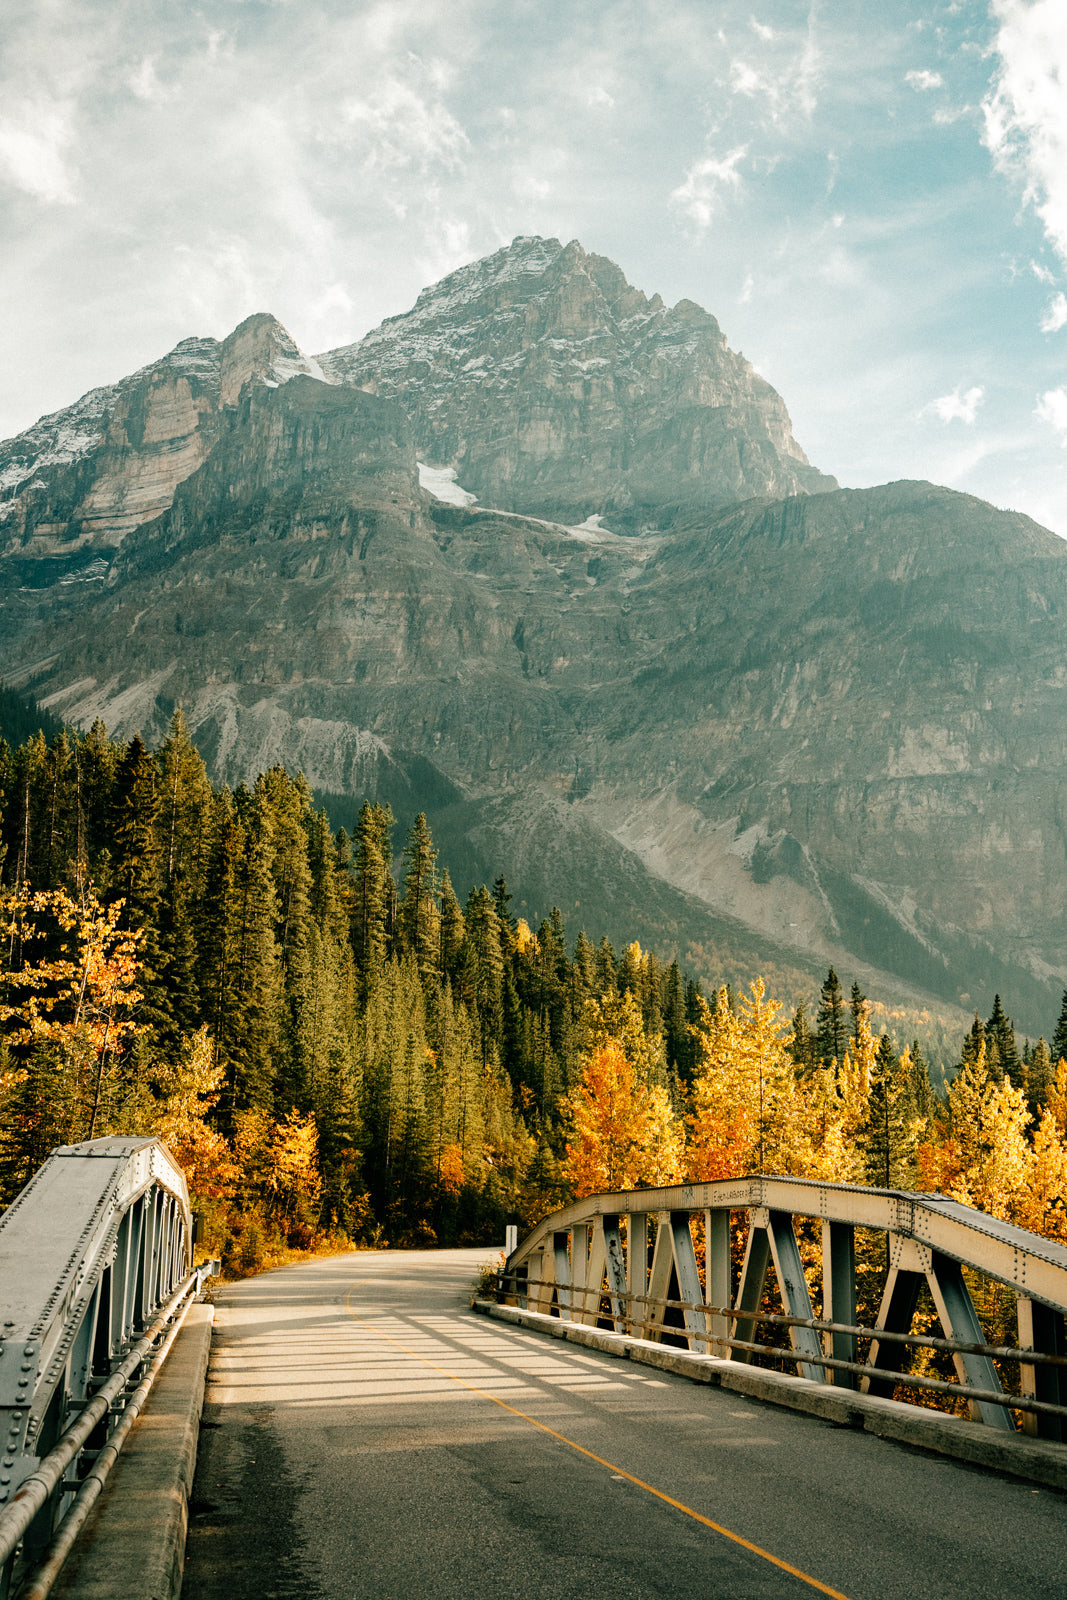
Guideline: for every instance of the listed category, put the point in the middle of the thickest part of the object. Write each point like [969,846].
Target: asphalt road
[366,1437]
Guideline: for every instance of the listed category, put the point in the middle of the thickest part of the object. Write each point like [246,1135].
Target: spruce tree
[452,930]
[857,1001]
[374,891]
[803,1046]
[418,920]
[831,1030]
[483,968]
[1058,1048]
[1000,1032]
[1039,1077]
[677,1039]
[185,802]
[887,1156]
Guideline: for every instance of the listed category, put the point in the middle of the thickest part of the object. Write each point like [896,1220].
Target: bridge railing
[629,1262]
[95,1261]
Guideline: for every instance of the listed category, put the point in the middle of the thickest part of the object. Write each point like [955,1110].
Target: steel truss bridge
[629,1262]
[95,1257]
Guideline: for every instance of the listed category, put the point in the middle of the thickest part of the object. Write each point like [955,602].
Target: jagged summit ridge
[89,474]
[554,387]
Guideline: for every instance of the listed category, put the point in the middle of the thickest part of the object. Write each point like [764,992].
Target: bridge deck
[366,1436]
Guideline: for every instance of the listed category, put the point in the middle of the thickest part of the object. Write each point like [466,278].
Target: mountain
[555,388]
[79,480]
[776,726]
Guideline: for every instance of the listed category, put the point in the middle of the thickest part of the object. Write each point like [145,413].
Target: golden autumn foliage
[619,1132]
[188,1092]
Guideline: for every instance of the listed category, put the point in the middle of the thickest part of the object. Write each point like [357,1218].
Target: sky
[871,198]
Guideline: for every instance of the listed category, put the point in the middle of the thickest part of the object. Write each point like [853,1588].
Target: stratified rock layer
[83,477]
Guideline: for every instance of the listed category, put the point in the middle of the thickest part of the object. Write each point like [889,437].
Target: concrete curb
[133,1542]
[1035,1460]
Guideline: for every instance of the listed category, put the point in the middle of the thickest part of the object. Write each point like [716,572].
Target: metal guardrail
[629,1261]
[510,1286]
[95,1257]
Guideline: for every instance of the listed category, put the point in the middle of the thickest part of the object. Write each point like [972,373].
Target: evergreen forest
[340,1050]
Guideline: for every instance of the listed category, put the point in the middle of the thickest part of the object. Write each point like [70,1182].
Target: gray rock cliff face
[81,479]
[554,387]
[832,724]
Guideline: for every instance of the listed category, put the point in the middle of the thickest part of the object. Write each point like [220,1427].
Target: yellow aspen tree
[1005,1166]
[621,1133]
[746,1107]
[837,1107]
[961,1154]
[1045,1203]
[619,1018]
[1057,1097]
[188,1090]
[724,1102]
[81,1001]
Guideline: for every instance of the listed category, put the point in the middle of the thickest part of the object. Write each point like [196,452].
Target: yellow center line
[716,1527]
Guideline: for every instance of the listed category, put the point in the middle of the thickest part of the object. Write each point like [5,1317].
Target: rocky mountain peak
[82,478]
[554,387]
[260,348]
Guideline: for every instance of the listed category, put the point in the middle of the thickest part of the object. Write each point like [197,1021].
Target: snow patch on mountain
[441,483]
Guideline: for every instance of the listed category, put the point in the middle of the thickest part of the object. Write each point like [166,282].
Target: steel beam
[685,1265]
[793,1287]
[960,1321]
[1042,1329]
[717,1276]
[562,1264]
[839,1295]
[636,1266]
[753,1278]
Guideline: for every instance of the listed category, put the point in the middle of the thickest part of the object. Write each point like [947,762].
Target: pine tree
[922,1092]
[1000,1032]
[136,847]
[185,804]
[1038,1078]
[831,1031]
[136,878]
[858,1000]
[676,1036]
[889,1128]
[374,893]
[804,1044]
[418,919]
[481,982]
[1058,1049]
[452,931]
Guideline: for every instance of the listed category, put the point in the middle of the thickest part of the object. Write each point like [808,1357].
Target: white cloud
[924,80]
[1052,408]
[762,31]
[145,84]
[957,406]
[1055,317]
[1026,112]
[1042,273]
[598,99]
[705,182]
[784,81]
[34,144]
[401,125]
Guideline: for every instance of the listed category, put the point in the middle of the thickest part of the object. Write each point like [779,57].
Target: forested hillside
[337,1048]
